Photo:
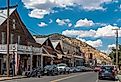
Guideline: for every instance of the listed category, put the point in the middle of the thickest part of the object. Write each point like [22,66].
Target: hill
[84,47]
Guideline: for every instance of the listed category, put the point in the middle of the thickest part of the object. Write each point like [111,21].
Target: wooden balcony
[20,49]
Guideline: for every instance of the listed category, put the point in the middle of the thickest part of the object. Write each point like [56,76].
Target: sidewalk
[119,77]
[11,78]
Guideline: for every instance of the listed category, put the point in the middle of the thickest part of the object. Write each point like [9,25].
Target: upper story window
[19,39]
[12,38]
[14,24]
[3,37]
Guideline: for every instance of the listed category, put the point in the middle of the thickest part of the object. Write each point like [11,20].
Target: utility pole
[8,39]
[116,45]
[8,33]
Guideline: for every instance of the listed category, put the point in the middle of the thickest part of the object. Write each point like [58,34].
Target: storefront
[1,61]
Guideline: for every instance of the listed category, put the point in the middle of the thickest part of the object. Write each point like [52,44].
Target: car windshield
[47,66]
[108,68]
[61,65]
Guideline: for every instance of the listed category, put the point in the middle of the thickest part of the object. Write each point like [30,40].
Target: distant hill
[84,47]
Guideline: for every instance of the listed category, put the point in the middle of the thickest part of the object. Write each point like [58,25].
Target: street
[74,77]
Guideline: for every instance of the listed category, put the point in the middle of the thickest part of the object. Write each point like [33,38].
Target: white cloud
[111,46]
[48,5]
[107,31]
[38,13]
[42,24]
[101,24]
[83,40]
[64,22]
[60,22]
[50,20]
[79,33]
[119,20]
[96,43]
[120,6]
[70,24]
[116,1]
[106,51]
[85,22]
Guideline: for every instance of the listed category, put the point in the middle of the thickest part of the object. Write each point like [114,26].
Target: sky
[90,21]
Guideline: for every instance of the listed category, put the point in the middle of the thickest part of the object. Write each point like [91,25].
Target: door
[0,66]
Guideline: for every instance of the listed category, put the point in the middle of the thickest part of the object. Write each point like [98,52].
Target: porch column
[16,62]
[37,62]
[41,61]
[31,58]
[51,60]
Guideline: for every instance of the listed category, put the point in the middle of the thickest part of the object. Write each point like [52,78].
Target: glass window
[12,38]
[14,26]
[19,39]
[3,37]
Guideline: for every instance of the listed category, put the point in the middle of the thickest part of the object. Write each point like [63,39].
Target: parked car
[82,68]
[67,69]
[79,68]
[73,69]
[97,68]
[107,71]
[62,68]
[88,69]
[51,70]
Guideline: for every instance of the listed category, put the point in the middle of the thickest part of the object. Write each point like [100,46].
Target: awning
[78,56]
[48,55]
[68,56]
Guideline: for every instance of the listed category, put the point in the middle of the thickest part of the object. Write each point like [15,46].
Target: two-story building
[22,45]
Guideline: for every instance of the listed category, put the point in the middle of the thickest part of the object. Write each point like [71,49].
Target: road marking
[57,80]
[97,78]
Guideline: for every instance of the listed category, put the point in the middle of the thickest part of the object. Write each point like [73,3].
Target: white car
[62,67]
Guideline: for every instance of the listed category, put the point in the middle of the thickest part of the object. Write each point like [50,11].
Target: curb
[11,78]
[119,79]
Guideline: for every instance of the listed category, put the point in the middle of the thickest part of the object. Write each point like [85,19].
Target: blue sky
[91,21]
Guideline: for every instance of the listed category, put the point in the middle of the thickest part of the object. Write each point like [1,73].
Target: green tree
[112,55]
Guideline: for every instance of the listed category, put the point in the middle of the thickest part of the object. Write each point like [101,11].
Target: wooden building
[22,44]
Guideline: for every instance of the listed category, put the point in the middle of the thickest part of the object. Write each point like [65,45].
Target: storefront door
[0,66]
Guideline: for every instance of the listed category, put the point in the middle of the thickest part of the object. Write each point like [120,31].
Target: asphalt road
[75,77]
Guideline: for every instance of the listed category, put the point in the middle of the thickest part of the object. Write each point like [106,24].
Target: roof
[40,40]
[55,44]
[3,14]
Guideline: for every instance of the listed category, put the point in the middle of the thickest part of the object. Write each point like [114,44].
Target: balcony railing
[22,49]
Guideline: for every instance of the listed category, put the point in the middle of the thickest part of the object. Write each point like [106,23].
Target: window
[19,39]
[91,56]
[14,25]
[12,38]
[3,37]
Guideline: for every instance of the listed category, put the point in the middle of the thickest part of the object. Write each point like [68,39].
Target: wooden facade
[30,51]
[22,44]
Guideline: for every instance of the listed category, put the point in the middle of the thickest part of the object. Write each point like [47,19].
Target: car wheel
[113,78]
[100,78]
